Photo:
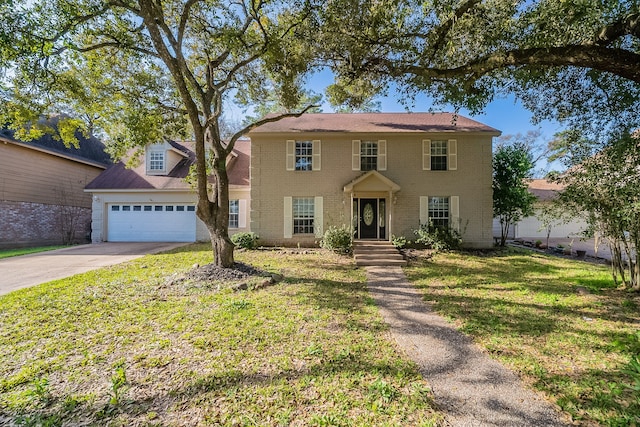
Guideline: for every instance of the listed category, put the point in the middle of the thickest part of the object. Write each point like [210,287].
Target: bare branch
[268,119]
[184,19]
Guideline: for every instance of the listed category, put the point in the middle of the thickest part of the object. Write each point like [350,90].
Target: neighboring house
[154,202]
[532,227]
[383,173]
[41,190]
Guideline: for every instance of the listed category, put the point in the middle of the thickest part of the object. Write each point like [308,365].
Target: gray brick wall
[33,224]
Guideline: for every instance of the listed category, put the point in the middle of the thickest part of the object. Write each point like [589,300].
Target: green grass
[24,251]
[561,324]
[123,346]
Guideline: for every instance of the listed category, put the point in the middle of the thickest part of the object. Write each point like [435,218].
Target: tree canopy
[574,61]
[140,71]
[605,187]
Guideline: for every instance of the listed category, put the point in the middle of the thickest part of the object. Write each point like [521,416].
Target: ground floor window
[303,215]
[439,211]
[234,213]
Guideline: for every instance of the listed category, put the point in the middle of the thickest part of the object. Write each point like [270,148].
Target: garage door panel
[151,223]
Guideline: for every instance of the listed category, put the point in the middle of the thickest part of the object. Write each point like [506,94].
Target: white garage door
[151,223]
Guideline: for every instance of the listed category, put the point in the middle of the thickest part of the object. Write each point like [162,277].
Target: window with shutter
[303,155]
[439,155]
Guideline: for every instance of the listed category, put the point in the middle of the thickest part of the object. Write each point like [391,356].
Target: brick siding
[34,224]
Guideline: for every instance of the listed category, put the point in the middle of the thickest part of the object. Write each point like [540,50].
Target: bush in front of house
[438,238]
[399,241]
[246,240]
[337,239]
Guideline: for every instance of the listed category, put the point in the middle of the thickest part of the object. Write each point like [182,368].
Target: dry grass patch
[127,346]
[560,323]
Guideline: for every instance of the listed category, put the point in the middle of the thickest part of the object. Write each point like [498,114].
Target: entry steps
[376,252]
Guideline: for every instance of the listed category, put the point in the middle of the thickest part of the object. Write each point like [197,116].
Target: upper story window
[156,161]
[369,155]
[303,155]
[438,155]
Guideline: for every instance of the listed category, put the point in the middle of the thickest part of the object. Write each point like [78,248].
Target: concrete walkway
[471,388]
[30,270]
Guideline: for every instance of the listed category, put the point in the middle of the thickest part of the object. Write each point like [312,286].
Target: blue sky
[507,114]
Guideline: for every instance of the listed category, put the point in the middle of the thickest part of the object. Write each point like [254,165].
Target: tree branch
[627,25]
[264,121]
[442,31]
[620,62]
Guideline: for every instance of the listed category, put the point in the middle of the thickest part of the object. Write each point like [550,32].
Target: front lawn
[559,323]
[6,253]
[130,345]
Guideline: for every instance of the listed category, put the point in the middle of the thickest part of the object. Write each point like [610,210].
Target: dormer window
[156,161]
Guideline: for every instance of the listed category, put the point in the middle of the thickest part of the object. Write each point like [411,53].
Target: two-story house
[153,201]
[382,173]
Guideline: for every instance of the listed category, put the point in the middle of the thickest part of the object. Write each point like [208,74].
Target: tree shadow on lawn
[342,301]
[205,398]
[537,271]
[526,305]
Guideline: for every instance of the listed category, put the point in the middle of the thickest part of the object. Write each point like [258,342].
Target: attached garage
[166,222]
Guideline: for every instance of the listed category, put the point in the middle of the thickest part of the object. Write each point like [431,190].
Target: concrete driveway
[30,270]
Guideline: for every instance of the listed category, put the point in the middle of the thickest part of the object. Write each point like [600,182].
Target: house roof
[119,177]
[90,150]
[544,190]
[376,123]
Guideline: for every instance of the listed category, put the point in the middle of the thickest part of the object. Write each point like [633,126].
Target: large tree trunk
[213,196]
[222,247]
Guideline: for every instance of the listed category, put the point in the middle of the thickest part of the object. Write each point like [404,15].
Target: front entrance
[371,218]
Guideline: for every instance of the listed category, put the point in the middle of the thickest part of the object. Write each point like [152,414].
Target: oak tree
[137,71]
[574,61]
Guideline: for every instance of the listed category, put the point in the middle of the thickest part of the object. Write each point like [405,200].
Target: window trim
[305,216]
[368,155]
[152,161]
[454,211]
[452,154]
[381,161]
[291,157]
[234,223]
[318,220]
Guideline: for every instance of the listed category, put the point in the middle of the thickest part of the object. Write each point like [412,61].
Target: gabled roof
[119,177]
[374,178]
[90,150]
[544,190]
[376,123]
